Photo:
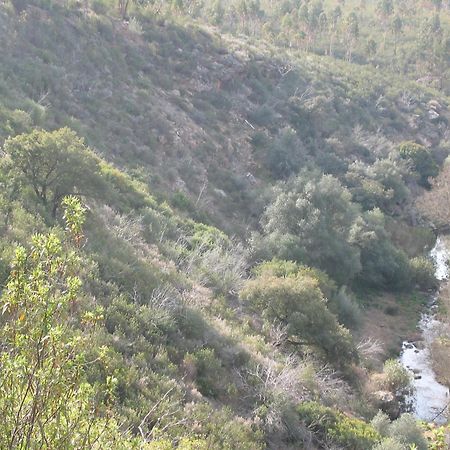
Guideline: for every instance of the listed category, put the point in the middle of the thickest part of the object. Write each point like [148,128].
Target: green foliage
[181,201]
[381,423]
[437,436]
[421,159]
[281,268]
[390,444]
[207,371]
[298,303]
[54,165]
[381,184]
[423,273]
[397,379]
[334,427]
[407,431]
[171,104]
[44,399]
[383,265]
[346,308]
[123,191]
[74,216]
[403,433]
[285,154]
[310,221]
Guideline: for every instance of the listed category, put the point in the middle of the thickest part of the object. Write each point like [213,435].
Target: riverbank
[430,397]
[440,348]
[411,323]
[391,319]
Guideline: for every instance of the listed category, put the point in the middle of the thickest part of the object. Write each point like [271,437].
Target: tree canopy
[53,164]
[297,302]
[311,219]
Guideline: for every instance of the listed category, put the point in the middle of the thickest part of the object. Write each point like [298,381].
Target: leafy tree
[421,159]
[310,221]
[383,265]
[285,155]
[366,187]
[397,28]
[298,303]
[391,172]
[53,164]
[336,15]
[385,9]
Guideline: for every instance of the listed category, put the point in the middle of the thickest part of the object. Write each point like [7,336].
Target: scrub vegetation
[207,208]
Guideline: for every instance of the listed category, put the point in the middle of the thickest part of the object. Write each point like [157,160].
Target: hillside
[189,112]
[249,210]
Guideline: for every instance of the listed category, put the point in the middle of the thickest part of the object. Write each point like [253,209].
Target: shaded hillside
[198,115]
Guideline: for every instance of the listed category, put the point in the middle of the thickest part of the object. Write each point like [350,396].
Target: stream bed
[429,397]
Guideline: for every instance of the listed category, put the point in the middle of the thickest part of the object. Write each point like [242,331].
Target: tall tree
[352,33]
[310,221]
[53,164]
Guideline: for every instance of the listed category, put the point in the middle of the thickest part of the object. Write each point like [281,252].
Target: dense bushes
[421,159]
[174,107]
[310,221]
[401,433]
[335,428]
[313,220]
[297,303]
[396,378]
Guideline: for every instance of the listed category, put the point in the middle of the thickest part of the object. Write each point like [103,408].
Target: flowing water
[429,397]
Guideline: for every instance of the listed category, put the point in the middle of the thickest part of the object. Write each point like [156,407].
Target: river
[429,396]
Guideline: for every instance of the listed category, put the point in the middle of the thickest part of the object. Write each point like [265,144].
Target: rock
[250,178]
[220,192]
[433,115]
[387,402]
[434,105]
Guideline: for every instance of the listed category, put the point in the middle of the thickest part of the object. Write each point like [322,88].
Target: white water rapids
[429,397]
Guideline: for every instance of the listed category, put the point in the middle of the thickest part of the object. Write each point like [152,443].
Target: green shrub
[208,369]
[381,423]
[402,434]
[182,201]
[347,310]
[422,270]
[333,426]
[406,430]
[397,379]
[422,160]
[390,444]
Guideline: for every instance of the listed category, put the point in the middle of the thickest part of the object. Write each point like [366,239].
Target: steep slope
[192,130]
[188,111]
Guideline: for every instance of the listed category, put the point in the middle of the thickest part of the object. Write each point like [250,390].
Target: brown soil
[390,320]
